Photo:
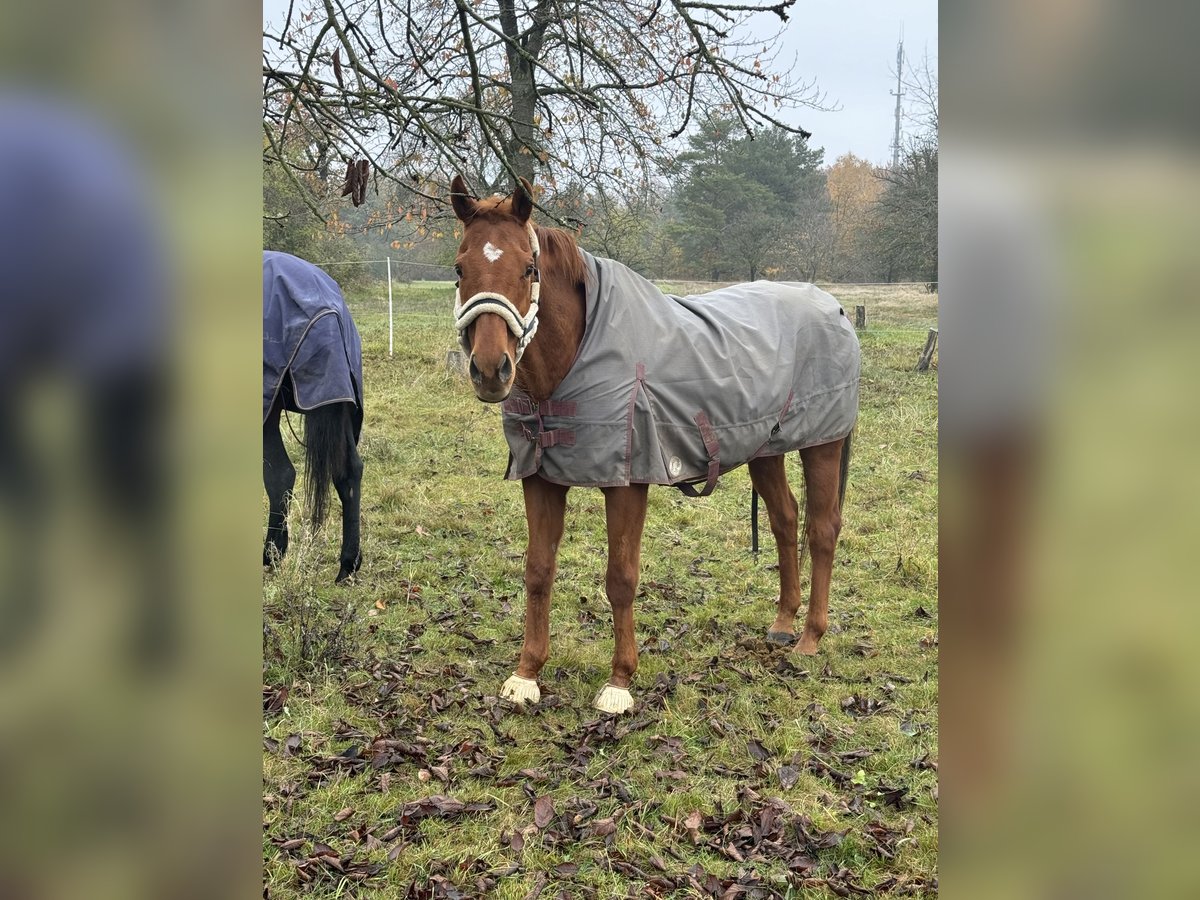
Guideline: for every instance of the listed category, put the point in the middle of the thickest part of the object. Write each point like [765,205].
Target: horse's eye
[529,270]
[458,270]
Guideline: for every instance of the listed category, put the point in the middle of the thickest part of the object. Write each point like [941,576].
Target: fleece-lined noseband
[523,327]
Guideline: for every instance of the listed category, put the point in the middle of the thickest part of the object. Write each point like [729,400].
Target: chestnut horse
[515,280]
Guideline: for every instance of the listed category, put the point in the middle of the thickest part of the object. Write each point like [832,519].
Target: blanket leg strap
[713,449]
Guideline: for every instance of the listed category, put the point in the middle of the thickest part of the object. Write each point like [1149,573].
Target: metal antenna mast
[898,93]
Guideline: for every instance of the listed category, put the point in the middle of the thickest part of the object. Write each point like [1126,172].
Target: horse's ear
[522,201]
[460,198]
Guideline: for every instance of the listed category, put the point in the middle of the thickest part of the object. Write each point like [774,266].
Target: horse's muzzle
[492,383]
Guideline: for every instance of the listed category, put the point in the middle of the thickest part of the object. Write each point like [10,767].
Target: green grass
[434,620]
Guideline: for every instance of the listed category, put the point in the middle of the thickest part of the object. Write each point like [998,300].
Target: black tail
[844,471]
[328,439]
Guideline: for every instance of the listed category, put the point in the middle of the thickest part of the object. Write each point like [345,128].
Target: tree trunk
[522,145]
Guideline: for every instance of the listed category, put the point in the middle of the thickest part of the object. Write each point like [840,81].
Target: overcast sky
[849,48]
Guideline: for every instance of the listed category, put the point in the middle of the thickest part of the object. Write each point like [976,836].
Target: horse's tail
[844,469]
[328,439]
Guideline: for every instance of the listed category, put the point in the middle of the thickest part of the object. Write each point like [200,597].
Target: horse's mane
[561,254]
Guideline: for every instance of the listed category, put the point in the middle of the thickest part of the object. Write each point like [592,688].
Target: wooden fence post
[860,317]
[927,353]
[456,362]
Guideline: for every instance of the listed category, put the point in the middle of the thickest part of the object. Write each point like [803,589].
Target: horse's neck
[549,355]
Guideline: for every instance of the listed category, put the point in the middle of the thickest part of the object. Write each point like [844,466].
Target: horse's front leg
[545,508]
[625,510]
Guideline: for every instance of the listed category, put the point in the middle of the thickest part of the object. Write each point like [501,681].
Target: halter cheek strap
[523,327]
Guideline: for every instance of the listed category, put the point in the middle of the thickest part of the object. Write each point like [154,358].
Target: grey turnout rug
[670,390]
[308,337]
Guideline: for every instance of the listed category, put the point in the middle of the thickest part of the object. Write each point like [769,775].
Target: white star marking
[492,252]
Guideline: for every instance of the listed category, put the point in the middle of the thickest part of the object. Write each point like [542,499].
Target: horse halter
[522,327]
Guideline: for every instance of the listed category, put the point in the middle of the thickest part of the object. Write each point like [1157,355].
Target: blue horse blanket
[308,338]
[675,390]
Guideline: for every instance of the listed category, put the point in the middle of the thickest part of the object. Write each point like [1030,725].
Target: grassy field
[391,769]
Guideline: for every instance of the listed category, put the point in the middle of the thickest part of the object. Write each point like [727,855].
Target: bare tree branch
[590,91]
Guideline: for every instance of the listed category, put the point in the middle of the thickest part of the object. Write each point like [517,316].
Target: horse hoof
[613,699]
[521,690]
[349,567]
[781,637]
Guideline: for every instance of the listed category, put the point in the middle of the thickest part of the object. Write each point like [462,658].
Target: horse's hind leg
[348,484]
[770,480]
[279,477]
[822,477]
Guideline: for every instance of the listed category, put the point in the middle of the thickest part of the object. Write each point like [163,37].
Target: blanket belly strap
[523,406]
[713,449]
[559,437]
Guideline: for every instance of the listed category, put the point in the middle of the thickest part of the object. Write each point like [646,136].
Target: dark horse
[312,364]
[529,296]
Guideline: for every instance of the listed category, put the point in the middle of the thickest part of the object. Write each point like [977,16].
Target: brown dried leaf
[543,811]
[757,750]
[337,68]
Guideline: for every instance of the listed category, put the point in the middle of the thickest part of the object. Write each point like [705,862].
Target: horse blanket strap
[713,448]
[308,337]
[563,437]
[774,367]
[523,327]
[525,406]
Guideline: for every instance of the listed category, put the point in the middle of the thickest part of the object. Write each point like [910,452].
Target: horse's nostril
[476,375]
[506,369]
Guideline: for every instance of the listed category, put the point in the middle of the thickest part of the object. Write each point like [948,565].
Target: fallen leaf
[543,811]
[757,750]
[343,814]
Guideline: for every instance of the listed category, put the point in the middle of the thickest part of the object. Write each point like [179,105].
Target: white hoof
[521,690]
[613,699]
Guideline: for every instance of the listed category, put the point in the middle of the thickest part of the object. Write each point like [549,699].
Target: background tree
[745,204]
[854,188]
[301,208]
[595,90]
[907,210]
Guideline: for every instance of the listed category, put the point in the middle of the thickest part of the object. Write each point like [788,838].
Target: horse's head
[496,306]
